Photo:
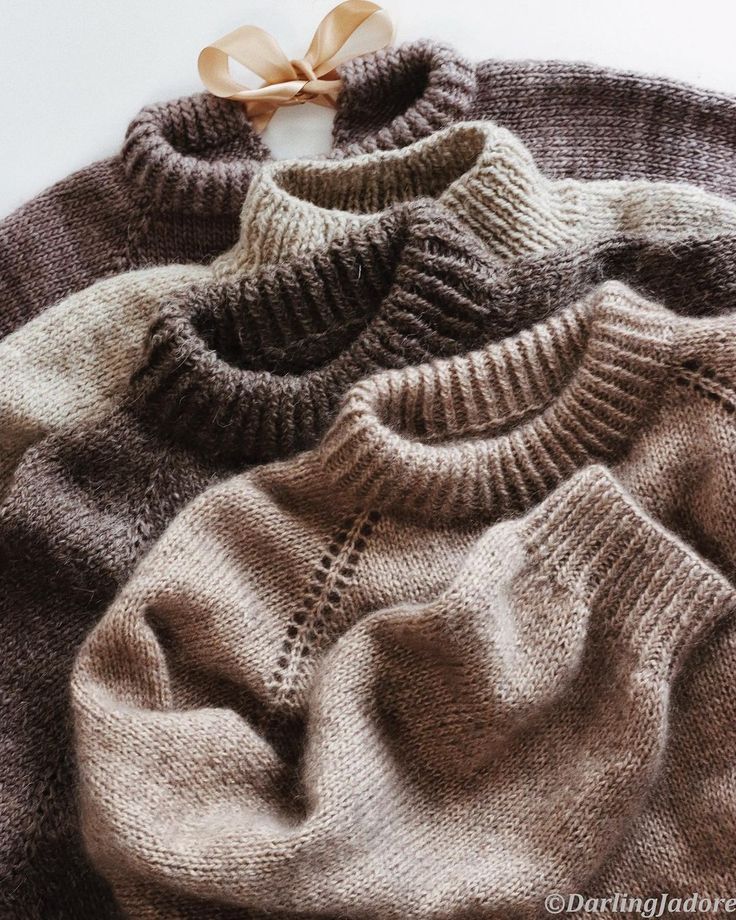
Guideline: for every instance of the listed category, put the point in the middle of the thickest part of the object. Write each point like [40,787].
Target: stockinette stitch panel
[475,647]
[73,362]
[174,192]
[171,195]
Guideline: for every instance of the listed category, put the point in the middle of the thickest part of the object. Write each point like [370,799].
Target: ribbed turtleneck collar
[480,172]
[297,206]
[494,431]
[195,154]
[398,95]
[254,367]
[200,153]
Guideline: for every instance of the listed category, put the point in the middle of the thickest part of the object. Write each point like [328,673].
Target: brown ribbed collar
[253,368]
[398,95]
[199,153]
[494,431]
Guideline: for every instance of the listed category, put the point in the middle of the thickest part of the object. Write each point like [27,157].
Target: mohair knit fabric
[479,171]
[174,192]
[221,387]
[73,362]
[335,689]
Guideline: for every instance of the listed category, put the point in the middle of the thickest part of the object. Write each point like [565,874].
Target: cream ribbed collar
[480,172]
[496,430]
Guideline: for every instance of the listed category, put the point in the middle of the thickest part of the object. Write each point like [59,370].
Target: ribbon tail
[329,46]
[260,122]
[329,102]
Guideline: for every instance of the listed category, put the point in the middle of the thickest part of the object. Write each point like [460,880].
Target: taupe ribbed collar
[494,431]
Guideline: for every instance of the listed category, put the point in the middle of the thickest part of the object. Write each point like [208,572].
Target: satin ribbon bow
[312,78]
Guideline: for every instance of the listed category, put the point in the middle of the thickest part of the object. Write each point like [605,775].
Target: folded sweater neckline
[253,368]
[480,172]
[496,430]
[200,153]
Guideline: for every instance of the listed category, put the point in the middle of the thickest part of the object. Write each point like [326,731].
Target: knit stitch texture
[73,362]
[335,688]
[221,387]
[174,192]
[579,120]
[479,171]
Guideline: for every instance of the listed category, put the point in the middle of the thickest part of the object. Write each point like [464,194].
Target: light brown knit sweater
[338,686]
[73,362]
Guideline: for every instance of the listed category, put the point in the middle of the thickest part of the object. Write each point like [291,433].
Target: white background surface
[74,72]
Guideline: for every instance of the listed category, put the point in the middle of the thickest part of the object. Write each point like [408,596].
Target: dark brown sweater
[238,372]
[174,192]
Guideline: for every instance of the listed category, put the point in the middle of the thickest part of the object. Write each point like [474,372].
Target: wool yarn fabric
[580,121]
[73,362]
[171,195]
[220,388]
[175,191]
[335,688]
[480,172]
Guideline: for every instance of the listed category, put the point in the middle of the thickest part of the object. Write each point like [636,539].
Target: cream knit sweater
[352,684]
[73,362]
[485,175]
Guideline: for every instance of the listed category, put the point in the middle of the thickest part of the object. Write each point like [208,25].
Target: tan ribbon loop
[293,82]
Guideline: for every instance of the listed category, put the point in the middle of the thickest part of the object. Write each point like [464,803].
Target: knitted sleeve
[82,508]
[68,237]
[72,363]
[664,130]
[529,698]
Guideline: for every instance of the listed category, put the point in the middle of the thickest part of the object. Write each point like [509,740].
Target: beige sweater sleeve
[72,362]
[471,753]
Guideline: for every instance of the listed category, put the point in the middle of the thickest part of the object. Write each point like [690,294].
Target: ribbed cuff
[601,544]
